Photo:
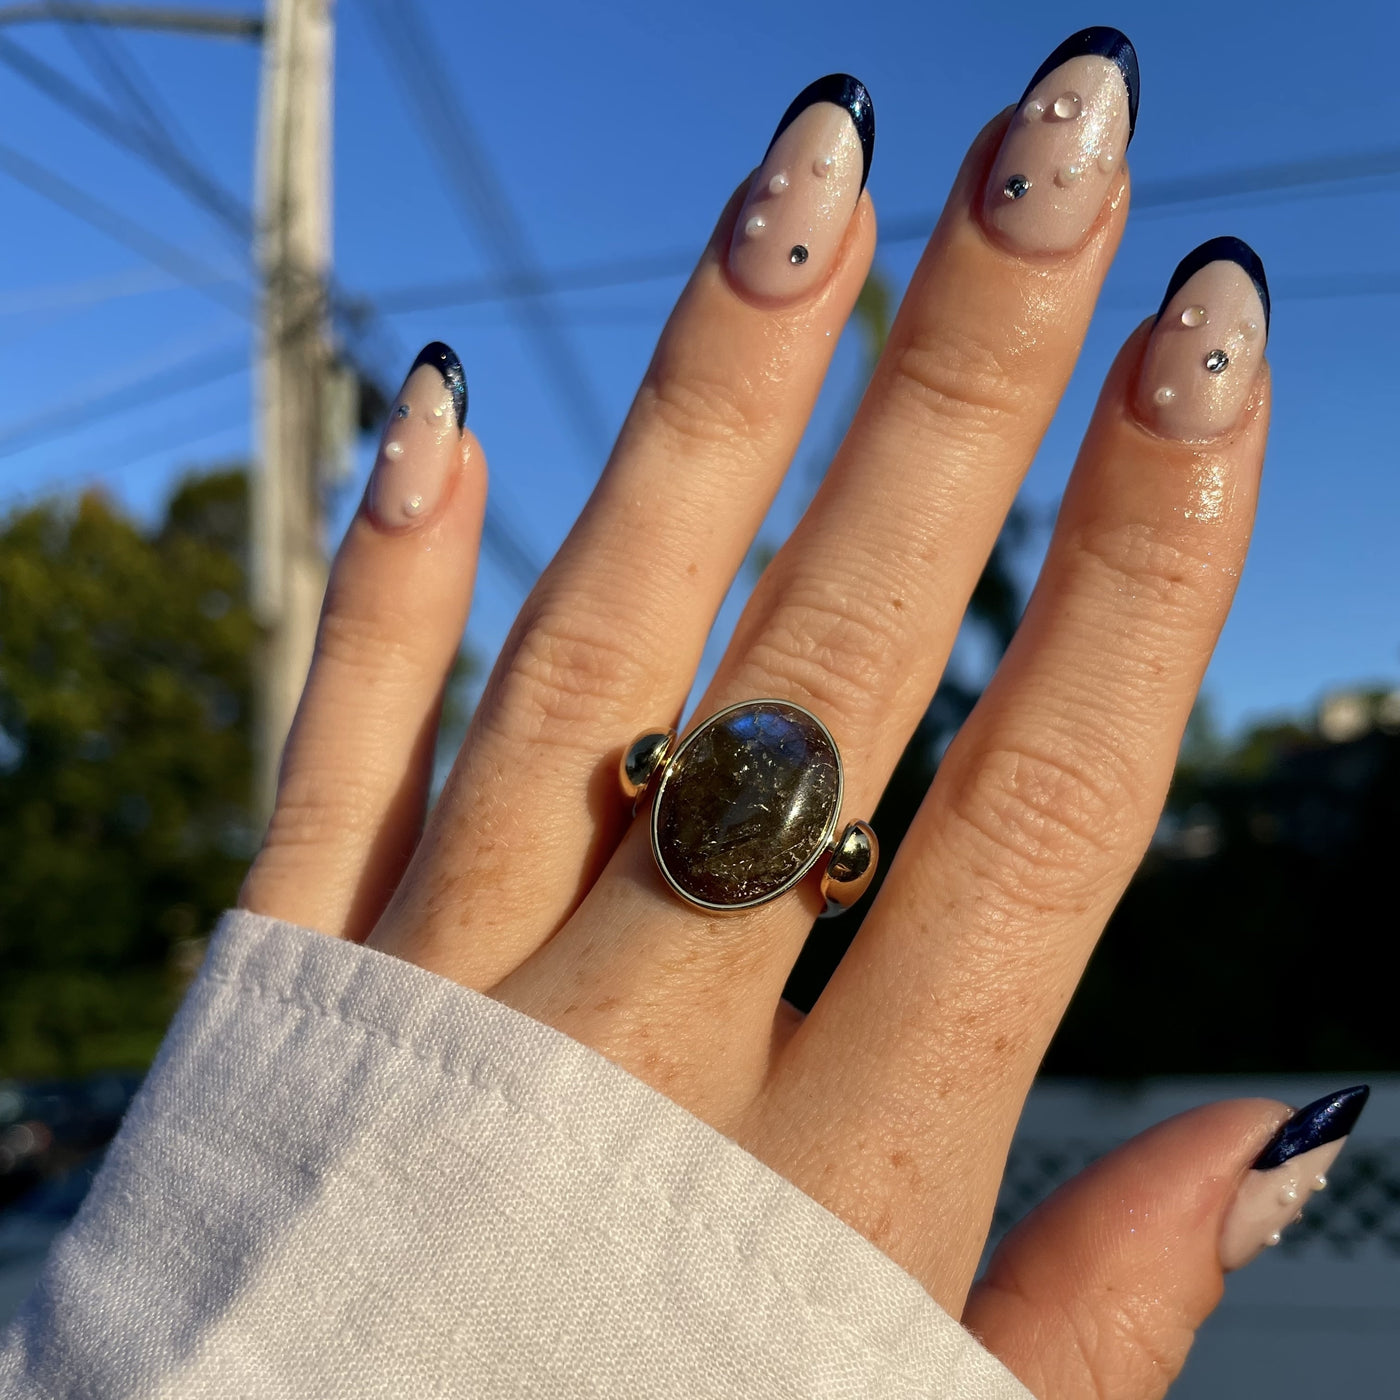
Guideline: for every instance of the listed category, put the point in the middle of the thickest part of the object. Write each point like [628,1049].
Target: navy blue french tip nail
[1324,1121]
[845,91]
[1225,249]
[443,358]
[1105,42]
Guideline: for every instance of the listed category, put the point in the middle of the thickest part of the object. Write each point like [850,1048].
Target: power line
[109,61]
[126,454]
[1323,176]
[146,131]
[63,419]
[482,202]
[1316,174]
[88,291]
[1321,287]
[135,137]
[168,145]
[357,316]
[151,246]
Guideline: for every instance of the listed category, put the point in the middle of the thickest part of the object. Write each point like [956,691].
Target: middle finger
[856,616]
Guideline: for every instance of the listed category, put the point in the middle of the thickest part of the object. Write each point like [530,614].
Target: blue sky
[618,132]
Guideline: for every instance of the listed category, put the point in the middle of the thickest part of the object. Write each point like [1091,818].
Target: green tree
[125,679]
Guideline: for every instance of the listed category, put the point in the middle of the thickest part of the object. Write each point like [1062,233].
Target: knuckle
[837,654]
[322,805]
[696,411]
[1098,1344]
[961,383]
[360,642]
[1123,1341]
[570,668]
[1043,829]
[1174,577]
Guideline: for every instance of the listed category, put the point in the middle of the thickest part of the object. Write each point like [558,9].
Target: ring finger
[856,616]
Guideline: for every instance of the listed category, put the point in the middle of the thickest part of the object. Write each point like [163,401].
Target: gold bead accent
[645,757]
[851,868]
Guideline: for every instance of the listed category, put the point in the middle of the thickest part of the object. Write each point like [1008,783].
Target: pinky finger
[355,773]
[1098,1293]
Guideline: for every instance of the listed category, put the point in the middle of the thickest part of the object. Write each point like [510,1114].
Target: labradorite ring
[746,805]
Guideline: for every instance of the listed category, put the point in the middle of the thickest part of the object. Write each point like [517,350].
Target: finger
[610,638]
[1049,795]
[855,617]
[358,761]
[1098,1293]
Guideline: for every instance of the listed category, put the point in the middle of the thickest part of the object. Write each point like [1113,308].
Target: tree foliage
[125,677]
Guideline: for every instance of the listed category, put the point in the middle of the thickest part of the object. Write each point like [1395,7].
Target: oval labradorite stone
[747,805]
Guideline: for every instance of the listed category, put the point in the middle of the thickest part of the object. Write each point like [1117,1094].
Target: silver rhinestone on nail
[1016,186]
[1216,361]
[1194,316]
[1068,106]
[798,255]
[402,411]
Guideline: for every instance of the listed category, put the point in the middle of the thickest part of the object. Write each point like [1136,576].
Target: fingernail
[419,449]
[1286,1173]
[1065,143]
[803,195]
[1206,348]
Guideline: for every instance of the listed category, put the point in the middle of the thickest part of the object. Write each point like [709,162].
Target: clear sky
[618,131]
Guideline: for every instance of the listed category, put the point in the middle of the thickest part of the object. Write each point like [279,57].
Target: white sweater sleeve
[348,1177]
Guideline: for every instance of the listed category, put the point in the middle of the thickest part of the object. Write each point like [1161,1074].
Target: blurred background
[226,233]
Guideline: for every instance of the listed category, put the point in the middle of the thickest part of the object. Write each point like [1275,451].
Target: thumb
[1099,1291]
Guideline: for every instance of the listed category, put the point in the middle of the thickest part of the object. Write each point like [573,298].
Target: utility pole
[305,400]
[293,363]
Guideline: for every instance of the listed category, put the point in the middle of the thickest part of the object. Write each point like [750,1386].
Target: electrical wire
[119,456]
[357,317]
[108,122]
[63,419]
[204,278]
[471,179]
[1326,176]
[147,133]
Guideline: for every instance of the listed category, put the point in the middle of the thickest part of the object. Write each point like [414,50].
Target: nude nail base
[1290,1169]
[419,451]
[1203,357]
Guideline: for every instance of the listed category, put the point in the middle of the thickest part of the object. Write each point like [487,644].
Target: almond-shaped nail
[1205,350]
[803,195]
[1064,145]
[420,448]
[1293,1165]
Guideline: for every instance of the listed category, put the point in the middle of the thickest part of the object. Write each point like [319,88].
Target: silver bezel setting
[822,849]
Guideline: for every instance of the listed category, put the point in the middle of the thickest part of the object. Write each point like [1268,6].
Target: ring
[747,805]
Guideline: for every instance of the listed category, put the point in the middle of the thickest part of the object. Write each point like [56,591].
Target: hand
[893,1101]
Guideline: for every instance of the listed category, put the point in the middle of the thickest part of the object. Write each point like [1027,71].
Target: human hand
[892,1103]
